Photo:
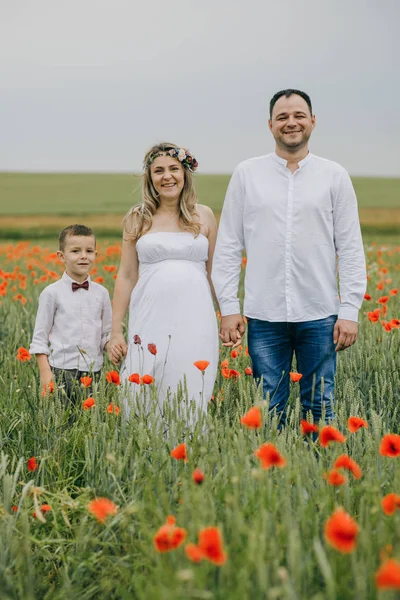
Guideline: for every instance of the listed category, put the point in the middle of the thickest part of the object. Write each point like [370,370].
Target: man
[295,214]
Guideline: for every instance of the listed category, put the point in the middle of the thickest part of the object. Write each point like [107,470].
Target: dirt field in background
[378,217]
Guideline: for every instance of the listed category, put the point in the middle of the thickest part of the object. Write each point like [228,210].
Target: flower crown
[184,156]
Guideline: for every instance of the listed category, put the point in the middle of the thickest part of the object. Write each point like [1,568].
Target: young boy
[73,321]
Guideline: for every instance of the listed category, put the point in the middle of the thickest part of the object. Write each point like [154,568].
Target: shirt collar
[67,279]
[283,161]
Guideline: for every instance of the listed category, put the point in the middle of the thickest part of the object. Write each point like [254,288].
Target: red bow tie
[78,286]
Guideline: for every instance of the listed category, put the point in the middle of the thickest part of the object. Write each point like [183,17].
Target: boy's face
[79,255]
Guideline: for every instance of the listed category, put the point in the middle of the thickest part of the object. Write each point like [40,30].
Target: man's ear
[270,124]
[313,121]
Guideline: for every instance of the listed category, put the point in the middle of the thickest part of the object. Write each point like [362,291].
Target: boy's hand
[117,348]
[45,378]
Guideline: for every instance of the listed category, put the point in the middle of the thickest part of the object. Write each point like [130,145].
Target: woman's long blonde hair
[139,219]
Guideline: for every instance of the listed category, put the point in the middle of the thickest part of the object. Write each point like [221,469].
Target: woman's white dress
[171,307]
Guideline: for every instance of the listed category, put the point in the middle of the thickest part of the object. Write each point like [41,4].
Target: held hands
[231,330]
[117,348]
[345,334]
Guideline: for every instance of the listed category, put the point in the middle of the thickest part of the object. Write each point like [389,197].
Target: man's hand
[345,334]
[231,330]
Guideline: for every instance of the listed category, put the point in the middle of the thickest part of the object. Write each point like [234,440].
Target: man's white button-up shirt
[296,229]
[72,328]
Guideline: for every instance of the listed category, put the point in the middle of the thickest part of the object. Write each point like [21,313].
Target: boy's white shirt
[72,328]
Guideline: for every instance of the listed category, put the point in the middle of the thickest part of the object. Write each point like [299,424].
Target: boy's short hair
[73,230]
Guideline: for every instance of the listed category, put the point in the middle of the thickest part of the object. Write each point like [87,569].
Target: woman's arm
[209,223]
[127,277]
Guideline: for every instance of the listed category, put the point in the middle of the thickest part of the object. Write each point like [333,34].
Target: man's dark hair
[73,230]
[288,93]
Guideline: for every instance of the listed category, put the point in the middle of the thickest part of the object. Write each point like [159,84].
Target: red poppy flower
[334,477]
[23,355]
[198,476]
[48,389]
[210,547]
[134,378]
[147,379]
[383,299]
[14,508]
[86,381]
[210,543]
[390,503]
[269,456]
[387,326]
[179,453]
[373,316]
[330,434]
[234,354]
[354,424]
[367,297]
[341,531]
[395,323]
[152,348]
[248,371]
[194,553]
[233,374]
[380,285]
[101,508]
[345,462]
[388,575]
[394,292]
[32,465]
[390,445]
[252,419]
[44,508]
[88,403]
[201,364]
[225,364]
[169,537]
[295,376]
[113,377]
[307,427]
[113,408]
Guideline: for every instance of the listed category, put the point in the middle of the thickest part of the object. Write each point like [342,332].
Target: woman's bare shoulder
[205,212]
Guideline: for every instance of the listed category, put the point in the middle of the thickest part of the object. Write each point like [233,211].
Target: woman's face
[168,177]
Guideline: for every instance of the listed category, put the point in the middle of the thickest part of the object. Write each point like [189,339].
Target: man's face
[291,123]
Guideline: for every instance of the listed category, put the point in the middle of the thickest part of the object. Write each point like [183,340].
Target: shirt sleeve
[227,258]
[106,320]
[350,250]
[43,324]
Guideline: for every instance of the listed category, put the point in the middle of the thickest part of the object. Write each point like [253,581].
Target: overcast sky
[89,85]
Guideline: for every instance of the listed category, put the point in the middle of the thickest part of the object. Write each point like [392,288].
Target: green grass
[272,521]
[81,194]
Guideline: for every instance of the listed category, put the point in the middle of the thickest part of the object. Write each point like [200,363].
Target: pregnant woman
[164,277]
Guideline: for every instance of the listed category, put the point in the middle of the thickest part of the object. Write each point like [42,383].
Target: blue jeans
[271,347]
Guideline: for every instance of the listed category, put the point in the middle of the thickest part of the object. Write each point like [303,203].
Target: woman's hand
[117,348]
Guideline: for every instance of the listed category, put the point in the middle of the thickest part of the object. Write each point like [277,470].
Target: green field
[40,205]
[78,194]
[272,520]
